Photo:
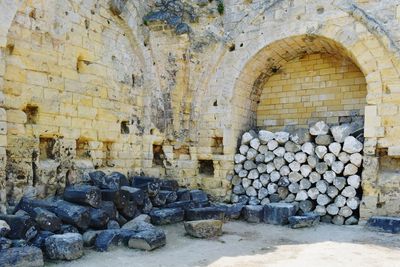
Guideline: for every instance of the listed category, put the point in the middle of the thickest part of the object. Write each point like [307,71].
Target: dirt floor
[248,245]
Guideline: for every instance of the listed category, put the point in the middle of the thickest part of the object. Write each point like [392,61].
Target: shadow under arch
[269,61]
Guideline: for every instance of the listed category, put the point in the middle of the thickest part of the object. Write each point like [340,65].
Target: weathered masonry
[166,88]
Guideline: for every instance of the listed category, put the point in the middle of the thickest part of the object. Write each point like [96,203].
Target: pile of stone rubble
[318,169]
[107,210]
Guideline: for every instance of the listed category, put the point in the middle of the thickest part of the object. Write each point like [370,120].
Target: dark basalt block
[66,228]
[5,243]
[147,205]
[108,238]
[116,180]
[150,185]
[253,214]
[109,208]
[198,196]
[129,211]
[306,220]
[22,226]
[46,220]
[183,194]
[83,194]
[39,239]
[181,204]
[279,213]
[64,247]
[136,194]
[170,196]
[169,185]
[232,211]
[385,224]
[166,216]
[205,214]
[147,240]
[21,257]
[98,218]
[75,215]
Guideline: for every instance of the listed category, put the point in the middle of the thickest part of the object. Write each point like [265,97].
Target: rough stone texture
[279,213]
[21,257]
[4,228]
[204,228]
[253,214]
[147,240]
[166,216]
[305,220]
[64,247]
[385,224]
[87,104]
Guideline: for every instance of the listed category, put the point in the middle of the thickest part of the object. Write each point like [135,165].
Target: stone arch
[234,79]
[239,71]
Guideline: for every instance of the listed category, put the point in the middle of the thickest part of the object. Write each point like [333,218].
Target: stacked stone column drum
[317,168]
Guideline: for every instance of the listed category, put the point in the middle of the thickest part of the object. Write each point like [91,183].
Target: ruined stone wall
[312,88]
[73,88]
[167,87]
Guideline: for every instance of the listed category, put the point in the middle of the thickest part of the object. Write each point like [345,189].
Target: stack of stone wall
[318,169]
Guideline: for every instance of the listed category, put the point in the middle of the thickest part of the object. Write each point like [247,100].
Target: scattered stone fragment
[64,247]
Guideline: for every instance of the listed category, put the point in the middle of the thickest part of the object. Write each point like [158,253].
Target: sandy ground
[248,245]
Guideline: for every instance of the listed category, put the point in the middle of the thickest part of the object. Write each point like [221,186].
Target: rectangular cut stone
[205,213]
[279,213]
[253,214]
[385,224]
[305,220]
[166,216]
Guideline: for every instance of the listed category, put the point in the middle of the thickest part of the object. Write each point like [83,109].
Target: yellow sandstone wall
[311,88]
[84,85]
[73,92]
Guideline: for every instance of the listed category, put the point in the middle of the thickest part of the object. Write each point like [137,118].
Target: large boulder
[204,228]
[21,257]
[64,247]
